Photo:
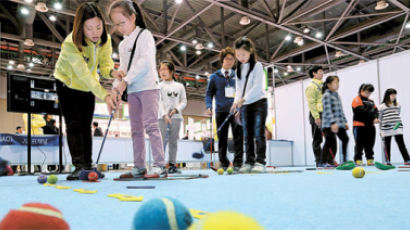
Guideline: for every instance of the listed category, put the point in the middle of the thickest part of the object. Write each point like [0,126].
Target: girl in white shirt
[141,81]
[172,102]
[251,101]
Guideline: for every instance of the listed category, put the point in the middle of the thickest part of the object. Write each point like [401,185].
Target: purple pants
[143,112]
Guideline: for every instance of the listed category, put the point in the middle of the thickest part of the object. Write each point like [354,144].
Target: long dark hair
[386,99]
[84,12]
[329,80]
[129,8]
[246,44]
[170,66]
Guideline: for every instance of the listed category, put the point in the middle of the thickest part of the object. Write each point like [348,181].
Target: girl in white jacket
[141,81]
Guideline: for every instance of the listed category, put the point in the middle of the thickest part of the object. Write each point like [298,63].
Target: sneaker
[75,175]
[173,170]
[236,169]
[370,162]
[359,163]
[407,163]
[135,173]
[388,163]
[246,168]
[159,171]
[258,168]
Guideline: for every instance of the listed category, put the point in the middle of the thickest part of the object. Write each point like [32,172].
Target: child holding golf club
[251,100]
[137,62]
[391,125]
[172,102]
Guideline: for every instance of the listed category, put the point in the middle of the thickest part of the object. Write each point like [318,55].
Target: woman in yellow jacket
[85,50]
[37,123]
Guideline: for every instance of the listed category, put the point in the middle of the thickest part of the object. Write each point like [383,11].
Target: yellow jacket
[314,97]
[37,121]
[78,70]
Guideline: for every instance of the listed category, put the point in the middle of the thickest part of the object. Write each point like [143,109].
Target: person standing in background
[172,102]
[97,130]
[314,100]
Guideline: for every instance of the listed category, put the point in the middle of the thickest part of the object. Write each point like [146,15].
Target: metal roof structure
[292,35]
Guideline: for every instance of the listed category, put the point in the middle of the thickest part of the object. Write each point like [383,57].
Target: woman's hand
[116,96]
[174,111]
[234,107]
[118,74]
[111,105]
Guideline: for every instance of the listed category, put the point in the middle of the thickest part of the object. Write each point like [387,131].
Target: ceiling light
[28,70]
[286,73]
[41,7]
[20,67]
[28,42]
[299,40]
[58,6]
[339,53]
[182,48]
[178,1]
[199,46]
[24,11]
[210,45]
[276,70]
[52,18]
[9,67]
[115,55]
[306,30]
[28,1]
[318,35]
[289,68]
[197,77]
[244,20]
[31,64]
[408,25]
[288,37]
[381,5]
[301,43]
[361,61]
[194,42]
[198,52]
[299,69]
[12,62]
[207,73]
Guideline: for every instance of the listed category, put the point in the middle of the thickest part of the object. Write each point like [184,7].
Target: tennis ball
[358,172]
[162,213]
[226,220]
[42,179]
[229,170]
[92,176]
[220,171]
[34,216]
[52,179]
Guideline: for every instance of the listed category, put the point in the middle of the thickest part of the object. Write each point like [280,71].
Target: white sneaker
[258,168]
[246,168]
[158,170]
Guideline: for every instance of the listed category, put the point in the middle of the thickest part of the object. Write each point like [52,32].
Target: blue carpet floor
[309,200]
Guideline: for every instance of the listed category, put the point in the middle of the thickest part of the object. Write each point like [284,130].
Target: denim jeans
[253,117]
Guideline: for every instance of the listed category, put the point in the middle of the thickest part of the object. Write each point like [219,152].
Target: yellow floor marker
[124,197]
[198,214]
[49,185]
[324,173]
[84,191]
[62,187]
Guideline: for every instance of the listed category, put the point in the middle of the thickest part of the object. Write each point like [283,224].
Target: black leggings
[365,137]
[78,109]
[400,143]
[330,147]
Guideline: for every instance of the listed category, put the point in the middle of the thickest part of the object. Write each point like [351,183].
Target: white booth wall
[292,112]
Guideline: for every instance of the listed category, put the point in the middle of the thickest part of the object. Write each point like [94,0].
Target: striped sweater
[389,117]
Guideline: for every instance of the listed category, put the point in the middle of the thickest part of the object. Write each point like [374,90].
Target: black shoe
[75,175]
[173,170]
